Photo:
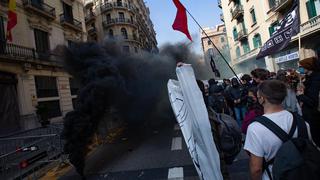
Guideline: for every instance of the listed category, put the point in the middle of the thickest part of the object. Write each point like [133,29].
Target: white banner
[191,113]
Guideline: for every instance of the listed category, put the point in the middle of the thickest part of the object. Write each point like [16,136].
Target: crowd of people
[278,97]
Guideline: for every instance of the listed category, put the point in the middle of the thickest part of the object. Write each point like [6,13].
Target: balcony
[219,4]
[221,17]
[13,52]
[311,26]
[92,31]
[116,5]
[90,17]
[250,55]
[282,5]
[70,23]
[40,8]
[242,34]
[237,12]
[121,21]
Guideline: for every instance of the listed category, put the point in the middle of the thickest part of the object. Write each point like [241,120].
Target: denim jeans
[240,113]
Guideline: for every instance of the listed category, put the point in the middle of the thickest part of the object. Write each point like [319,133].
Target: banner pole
[214,46]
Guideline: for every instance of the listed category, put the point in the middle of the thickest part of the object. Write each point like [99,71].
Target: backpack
[298,158]
[230,138]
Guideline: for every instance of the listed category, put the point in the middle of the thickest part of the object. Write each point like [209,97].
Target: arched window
[124,33]
[110,33]
[238,52]
[257,41]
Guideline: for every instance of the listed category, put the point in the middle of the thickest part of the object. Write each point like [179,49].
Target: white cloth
[191,113]
[261,142]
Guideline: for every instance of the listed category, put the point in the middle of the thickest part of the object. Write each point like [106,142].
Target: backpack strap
[273,127]
[302,127]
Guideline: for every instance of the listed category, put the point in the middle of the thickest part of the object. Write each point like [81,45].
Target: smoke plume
[133,84]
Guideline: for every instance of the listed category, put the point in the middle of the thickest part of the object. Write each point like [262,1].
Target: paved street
[148,154]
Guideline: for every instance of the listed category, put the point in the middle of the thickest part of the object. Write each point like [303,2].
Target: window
[238,53]
[42,42]
[108,16]
[124,33]
[311,8]
[209,42]
[222,39]
[75,103]
[246,47]
[74,86]
[235,34]
[71,43]
[135,49]
[272,3]
[253,17]
[110,33]
[67,12]
[2,31]
[272,28]
[53,108]
[121,16]
[257,41]
[126,49]
[46,86]
[119,2]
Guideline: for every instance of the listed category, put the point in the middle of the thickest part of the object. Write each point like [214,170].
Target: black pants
[312,116]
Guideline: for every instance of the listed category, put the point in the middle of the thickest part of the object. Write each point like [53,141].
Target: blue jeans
[240,113]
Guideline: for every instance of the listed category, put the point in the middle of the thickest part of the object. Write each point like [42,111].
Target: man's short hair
[274,91]
[261,74]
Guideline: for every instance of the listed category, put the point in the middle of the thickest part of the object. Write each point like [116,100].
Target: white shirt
[261,142]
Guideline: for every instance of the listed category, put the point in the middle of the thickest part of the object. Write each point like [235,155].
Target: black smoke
[133,84]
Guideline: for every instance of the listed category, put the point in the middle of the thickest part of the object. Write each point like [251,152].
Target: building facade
[250,23]
[127,21]
[218,36]
[31,74]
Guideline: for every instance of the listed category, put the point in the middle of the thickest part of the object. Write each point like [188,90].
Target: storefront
[287,59]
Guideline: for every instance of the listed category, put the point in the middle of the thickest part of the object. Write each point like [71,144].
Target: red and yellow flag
[12,18]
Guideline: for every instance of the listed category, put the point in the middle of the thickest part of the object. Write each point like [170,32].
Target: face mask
[251,101]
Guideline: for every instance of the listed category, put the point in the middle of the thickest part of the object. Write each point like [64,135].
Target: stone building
[250,23]
[125,20]
[218,36]
[31,74]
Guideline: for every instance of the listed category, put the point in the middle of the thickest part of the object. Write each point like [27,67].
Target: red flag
[12,18]
[181,21]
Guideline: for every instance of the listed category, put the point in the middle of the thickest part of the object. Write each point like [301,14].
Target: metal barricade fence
[21,154]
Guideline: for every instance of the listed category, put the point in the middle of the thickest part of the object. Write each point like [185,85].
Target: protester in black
[238,98]
[309,96]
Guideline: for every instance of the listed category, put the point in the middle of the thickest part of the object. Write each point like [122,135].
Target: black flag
[214,68]
[288,27]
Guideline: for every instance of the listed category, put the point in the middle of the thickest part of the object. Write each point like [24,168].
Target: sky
[163,13]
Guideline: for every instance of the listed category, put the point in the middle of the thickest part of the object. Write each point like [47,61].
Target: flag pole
[214,45]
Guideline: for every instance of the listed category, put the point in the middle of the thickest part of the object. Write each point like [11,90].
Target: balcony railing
[70,22]
[310,26]
[242,34]
[110,22]
[221,17]
[90,17]
[128,38]
[237,12]
[92,31]
[281,5]
[15,51]
[251,54]
[118,5]
[219,4]
[41,8]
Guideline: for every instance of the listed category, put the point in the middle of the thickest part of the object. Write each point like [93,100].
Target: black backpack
[230,138]
[298,158]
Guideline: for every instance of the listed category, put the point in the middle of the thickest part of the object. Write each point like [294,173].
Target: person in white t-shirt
[261,142]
